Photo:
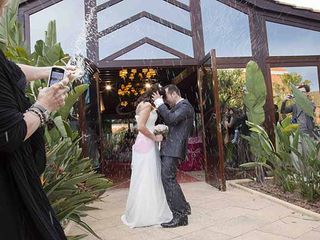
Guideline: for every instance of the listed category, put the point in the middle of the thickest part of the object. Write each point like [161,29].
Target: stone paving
[235,214]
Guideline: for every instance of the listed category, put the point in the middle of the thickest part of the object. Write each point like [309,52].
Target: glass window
[186,2]
[100,2]
[281,76]
[144,28]
[285,40]
[70,29]
[146,51]
[125,9]
[225,29]
[182,1]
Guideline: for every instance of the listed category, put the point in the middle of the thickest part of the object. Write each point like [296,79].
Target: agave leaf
[72,99]
[76,219]
[58,121]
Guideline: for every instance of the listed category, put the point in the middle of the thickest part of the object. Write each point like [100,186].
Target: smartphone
[56,75]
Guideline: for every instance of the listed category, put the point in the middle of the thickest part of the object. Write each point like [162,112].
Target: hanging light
[108,86]
[147,85]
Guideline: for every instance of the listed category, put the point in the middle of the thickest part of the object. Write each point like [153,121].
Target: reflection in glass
[69,27]
[207,102]
[233,117]
[283,76]
[144,28]
[125,9]
[225,29]
[284,40]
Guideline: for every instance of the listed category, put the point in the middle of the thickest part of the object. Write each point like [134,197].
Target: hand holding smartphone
[56,75]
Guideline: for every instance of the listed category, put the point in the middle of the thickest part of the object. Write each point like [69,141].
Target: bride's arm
[142,120]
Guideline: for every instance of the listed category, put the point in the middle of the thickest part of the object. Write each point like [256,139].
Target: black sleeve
[173,118]
[13,128]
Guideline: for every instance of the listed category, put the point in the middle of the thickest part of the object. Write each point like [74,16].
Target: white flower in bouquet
[161,129]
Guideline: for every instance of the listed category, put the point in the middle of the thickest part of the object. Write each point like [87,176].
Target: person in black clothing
[25,210]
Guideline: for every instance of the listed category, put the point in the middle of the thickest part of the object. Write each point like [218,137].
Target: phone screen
[56,76]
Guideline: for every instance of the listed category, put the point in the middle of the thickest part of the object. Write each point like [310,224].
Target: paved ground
[234,214]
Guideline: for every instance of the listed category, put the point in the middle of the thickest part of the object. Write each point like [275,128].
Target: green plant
[255,95]
[231,83]
[71,183]
[305,160]
[254,100]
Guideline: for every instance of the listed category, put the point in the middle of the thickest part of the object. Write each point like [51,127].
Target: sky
[225,29]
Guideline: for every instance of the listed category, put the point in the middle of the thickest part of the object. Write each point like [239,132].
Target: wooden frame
[259,12]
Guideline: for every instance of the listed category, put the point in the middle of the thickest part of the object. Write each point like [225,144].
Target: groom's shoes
[176,222]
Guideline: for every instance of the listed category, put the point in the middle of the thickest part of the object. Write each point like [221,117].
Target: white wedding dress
[146,203]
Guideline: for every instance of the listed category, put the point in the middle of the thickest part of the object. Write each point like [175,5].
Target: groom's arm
[183,112]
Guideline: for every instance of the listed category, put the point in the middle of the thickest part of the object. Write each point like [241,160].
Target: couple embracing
[155,196]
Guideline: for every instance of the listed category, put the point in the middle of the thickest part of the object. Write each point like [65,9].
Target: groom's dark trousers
[180,120]
[175,197]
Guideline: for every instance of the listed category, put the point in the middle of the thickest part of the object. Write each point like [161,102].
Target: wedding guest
[25,210]
[306,122]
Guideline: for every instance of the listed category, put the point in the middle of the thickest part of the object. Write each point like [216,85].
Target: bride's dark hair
[147,96]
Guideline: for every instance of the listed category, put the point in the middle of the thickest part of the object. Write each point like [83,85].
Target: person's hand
[288,97]
[159,138]
[156,95]
[52,98]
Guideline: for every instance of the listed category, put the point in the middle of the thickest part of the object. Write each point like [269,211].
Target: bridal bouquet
[161,129]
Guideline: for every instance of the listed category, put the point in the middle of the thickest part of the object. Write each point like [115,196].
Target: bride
[146,203]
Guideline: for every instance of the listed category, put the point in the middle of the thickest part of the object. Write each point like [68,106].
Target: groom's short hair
[173,88]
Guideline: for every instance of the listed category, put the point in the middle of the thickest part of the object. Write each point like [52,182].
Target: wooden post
[91,18]
[82,126]
[197,31]
[217,111]
[260,53]
[100,140]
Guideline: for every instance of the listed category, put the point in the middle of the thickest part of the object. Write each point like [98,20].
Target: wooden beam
[232,62]
[146,40]
[183,75]
[293,61]
[114,64]
[279,9]
[178,4]
[144,15]
[240,6]
[107,4]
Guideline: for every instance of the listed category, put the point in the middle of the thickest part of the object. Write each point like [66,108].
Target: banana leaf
[302,101]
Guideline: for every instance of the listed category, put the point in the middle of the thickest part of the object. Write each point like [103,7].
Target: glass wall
[225,29]
[282,76]
[284,40]
[128,8]
[70,27]
[146,51]
[144,28]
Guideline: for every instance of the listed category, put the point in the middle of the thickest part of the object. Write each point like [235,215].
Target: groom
[179,118]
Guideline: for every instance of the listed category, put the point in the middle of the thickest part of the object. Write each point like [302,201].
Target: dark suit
[180,120]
